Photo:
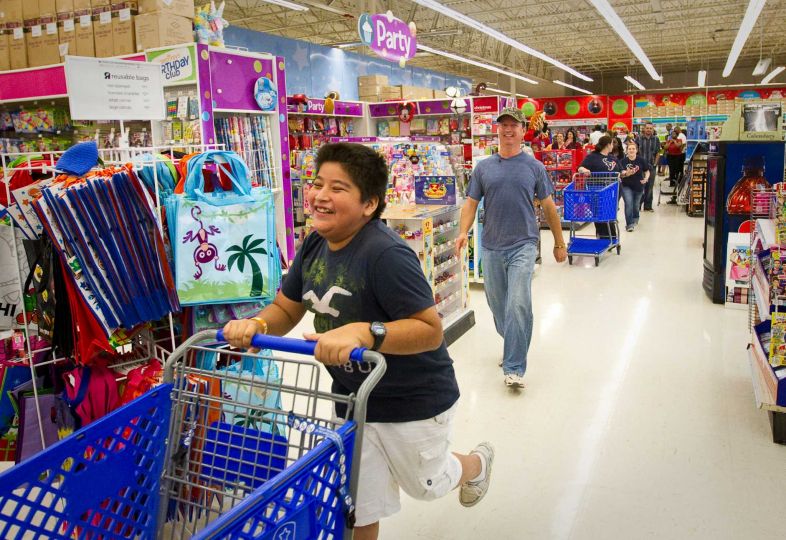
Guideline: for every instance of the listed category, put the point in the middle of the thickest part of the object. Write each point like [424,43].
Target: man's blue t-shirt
[510,187]
[376,277]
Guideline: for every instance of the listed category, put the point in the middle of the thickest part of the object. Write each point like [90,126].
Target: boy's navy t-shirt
[598,163]
[634,180]
[376,277]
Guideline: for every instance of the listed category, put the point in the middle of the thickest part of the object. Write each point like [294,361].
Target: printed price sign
[101,89]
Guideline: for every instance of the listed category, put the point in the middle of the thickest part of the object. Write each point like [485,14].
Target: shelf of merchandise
[697,173]
[433,118]
[420,226]
[769,382]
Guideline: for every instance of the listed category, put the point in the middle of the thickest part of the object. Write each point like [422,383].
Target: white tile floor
[638,420]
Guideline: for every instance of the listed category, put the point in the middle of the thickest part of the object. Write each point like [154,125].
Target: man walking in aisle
[510,182]
[649,148]
[596,134]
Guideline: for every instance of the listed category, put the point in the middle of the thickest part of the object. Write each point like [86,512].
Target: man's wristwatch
[378,332]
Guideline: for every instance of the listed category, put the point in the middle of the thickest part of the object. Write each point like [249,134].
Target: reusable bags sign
[223,241]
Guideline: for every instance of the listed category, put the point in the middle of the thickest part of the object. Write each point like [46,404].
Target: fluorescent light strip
[605,9]
[774,73]
[748,22]
[702,78]
[634,82]
[761,67]
[496,34]
[576,88]
[288,5]
[458,58]
[503,92]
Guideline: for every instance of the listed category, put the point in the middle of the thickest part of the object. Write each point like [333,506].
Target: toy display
[209,24]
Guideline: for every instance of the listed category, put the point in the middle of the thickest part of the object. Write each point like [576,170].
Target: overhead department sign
[389,37]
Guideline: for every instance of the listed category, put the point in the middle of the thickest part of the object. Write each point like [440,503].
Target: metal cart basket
[592,198]
[231,446]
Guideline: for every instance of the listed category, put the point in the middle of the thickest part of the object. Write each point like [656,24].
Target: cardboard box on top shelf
[42,45]
[47,8]
[102,32]
[123,32]
[372,98]
[373,80]
[99,3]
[83,34]
[64,6]
[439,94]
[13,12]
[183,8]
[81,5]
[5,52]
[30,12]
[66,34]
[161,30]
[17,45]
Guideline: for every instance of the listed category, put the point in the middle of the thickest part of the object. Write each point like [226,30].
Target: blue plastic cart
[231,446]
[592,198]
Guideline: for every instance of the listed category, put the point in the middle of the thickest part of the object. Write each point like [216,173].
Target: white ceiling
[691,35]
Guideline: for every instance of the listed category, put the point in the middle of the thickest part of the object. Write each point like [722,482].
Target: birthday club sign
[389,37]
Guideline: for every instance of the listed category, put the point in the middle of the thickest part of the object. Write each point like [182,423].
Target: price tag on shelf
[35,31]
[84,21]
[51,28]
[68,25]
[105,17]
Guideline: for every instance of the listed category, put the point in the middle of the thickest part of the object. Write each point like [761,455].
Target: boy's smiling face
[337,206]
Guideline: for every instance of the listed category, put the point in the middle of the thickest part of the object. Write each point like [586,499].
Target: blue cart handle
[290,345]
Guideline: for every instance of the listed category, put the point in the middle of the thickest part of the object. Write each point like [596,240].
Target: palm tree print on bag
[246,251]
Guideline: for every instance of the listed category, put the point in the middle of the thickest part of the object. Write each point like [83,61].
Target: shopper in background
[649,148]
[353,270]
[638,170]
[572,140]
[603,161]
[616,148]
[559,142]
[596,134]
[674,153]
[509,183]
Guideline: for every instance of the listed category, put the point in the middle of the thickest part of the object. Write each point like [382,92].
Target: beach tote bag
[223,241]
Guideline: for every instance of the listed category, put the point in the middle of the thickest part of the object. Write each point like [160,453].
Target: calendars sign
[101,89]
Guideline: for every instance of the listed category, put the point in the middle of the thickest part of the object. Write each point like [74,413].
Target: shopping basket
[256,453]
[592,198]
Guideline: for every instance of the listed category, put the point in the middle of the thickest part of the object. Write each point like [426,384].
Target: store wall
[315,70]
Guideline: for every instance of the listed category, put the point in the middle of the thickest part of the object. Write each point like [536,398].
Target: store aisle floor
[638,420]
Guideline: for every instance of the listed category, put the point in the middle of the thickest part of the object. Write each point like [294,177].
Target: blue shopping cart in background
[592,198]
[215,452]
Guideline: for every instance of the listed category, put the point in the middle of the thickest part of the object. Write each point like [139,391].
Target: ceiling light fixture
[349,45]
[634,82]
[475,63]
[505,93]
[605,9]
[748,22]
[702,78]
[774,73]
[576,88]
[496,34]
[761,67]
[288,5]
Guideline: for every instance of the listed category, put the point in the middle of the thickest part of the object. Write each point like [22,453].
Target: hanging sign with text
[389,37]
[101,89]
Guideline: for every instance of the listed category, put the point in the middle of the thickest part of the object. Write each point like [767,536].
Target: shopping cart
[231,446]
[592,198]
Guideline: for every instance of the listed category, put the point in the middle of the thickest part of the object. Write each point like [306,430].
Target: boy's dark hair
[603,142]
[597,127]
[365,167]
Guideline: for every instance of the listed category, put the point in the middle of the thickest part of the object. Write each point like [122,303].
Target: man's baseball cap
[514,113]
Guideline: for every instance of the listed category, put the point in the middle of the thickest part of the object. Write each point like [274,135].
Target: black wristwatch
[378,332]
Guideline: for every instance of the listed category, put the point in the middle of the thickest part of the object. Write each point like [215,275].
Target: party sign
[389,37]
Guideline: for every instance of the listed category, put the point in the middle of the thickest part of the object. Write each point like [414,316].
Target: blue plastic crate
[588,202]
[301,502]
[100,482]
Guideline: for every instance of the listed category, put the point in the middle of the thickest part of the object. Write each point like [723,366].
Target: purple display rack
[233,75]
[415,138]
[317,107]
[425,107]
[206,95]
[286,180]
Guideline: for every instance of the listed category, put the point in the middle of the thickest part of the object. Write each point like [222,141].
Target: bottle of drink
[741,195]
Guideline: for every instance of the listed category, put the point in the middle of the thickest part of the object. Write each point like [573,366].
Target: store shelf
[454,261]
[444,247]
[761,293]
[445,302]
[447,284]
[766,381]
[446,228]
[243,111]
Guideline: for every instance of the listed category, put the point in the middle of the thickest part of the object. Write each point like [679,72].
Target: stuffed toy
[209,24]
[406,112]
[536,122]
[330,101]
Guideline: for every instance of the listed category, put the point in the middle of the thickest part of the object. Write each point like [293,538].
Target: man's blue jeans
[632,202]
[507,277]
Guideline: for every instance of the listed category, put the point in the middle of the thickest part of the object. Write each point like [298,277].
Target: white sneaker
[501,362]
[514,381]
[471,493]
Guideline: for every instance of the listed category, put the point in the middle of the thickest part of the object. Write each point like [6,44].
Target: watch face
[378,329]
